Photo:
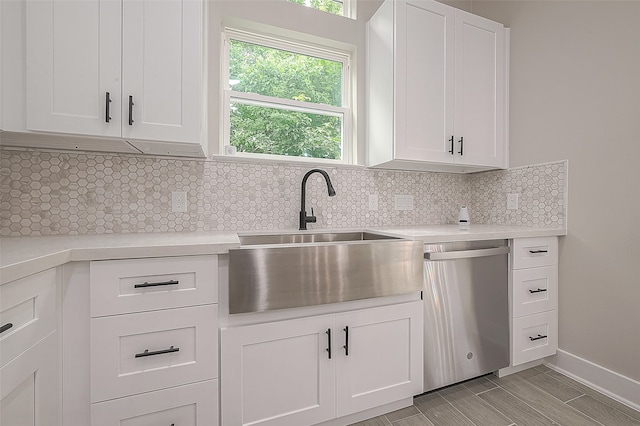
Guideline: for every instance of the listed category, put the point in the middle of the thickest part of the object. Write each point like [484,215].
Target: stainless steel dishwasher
[466,311]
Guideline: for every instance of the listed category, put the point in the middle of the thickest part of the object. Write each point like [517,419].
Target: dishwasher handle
[466,254]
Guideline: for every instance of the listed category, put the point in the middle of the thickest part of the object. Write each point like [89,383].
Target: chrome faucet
[304,219]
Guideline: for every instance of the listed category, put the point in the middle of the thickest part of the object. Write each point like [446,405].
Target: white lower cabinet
[533,295]
[189,405]
[310,370]
[30,391]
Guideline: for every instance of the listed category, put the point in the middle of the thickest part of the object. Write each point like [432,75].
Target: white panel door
[278,373]
[162,70]
[73,65]
[384,360]
[30,391]
[425,97]
[479,91]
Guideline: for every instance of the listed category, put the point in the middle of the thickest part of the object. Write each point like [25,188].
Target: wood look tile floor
[535,397]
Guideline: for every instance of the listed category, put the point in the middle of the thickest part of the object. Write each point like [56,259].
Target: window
[337,7]
[286,99]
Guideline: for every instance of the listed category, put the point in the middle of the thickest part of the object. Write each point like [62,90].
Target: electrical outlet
[403,202]
[512,201]
[178,202]
[373,201]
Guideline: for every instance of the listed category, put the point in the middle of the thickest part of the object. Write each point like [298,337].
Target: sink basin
[282,271]
[323,237]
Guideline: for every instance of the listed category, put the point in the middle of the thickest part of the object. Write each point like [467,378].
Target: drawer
[27,313]
[138,285]
[534,290]
[528,337]
[190,405]
[137,353]
[534,252]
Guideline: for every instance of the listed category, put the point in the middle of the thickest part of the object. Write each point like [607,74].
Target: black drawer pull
[346,341]
[329,342]
[540,290]
[146,284]
[540,336]
[164,351]
[5,327]
[538,251]
[451,150]
[461,145]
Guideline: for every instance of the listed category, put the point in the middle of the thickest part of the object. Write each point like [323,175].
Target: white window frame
[347,8]
[230,96]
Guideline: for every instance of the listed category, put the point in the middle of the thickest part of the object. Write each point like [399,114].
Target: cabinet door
[162,70]
[30,391]
[425,34]
[73,61]
[384,360]
[479,91]
[278,373]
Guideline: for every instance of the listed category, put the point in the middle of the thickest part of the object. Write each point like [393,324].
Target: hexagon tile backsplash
[55,193]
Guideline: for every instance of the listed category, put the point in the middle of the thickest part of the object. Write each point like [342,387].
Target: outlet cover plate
[403,202]
[373,201]
[512,201]
[178,202]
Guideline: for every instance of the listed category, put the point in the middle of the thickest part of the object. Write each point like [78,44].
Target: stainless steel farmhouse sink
[290,270]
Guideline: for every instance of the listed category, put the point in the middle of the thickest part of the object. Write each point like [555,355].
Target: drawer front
[189,405]
[27,313]
[534,337]
[139,285]
[137,353]
[534,290]
[534,252]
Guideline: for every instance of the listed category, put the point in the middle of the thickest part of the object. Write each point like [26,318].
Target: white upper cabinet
[118,68]
[73,65]
[437,88]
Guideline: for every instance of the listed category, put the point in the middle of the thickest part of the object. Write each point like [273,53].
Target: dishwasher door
[466,313]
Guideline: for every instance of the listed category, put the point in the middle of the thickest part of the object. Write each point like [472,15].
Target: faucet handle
[312,212]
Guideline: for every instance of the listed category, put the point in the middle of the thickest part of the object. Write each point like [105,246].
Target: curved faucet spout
[304,219]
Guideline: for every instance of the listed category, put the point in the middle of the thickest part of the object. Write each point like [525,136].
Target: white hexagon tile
[47,193]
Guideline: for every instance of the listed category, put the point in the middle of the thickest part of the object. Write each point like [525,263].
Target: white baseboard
[616,386]
[518,368]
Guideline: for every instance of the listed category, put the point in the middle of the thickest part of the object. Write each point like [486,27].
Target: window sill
[280,160]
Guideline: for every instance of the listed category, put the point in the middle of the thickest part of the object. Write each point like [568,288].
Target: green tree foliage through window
[272,129]
[331,6]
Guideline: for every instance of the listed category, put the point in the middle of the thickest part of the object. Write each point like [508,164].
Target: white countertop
[22,256]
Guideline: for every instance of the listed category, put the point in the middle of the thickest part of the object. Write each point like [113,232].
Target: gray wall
[575,94]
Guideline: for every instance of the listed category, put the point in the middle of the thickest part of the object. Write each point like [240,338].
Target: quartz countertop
[23,256]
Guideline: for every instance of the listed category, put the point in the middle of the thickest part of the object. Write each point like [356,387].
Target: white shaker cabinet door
[30,391]
[425,98]
[73,66]
[162,70]
[279,373]
[379,356]
[479,116]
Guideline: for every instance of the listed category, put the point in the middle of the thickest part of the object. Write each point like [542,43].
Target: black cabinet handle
[329,342]
[461,145]
[131,104]
[451,150]
[540,336]
[346,341]
[146,284]
[540,290]
[538,251]
[5,327]
[152,353]
[107,117]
